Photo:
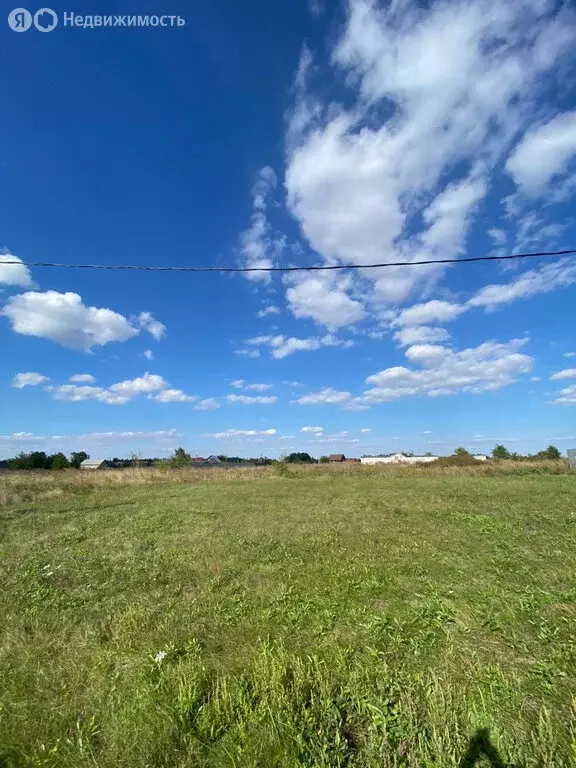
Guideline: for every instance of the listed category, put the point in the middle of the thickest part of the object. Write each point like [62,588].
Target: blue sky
[290,133]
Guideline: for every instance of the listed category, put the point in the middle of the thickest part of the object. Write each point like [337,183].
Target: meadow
[289,616]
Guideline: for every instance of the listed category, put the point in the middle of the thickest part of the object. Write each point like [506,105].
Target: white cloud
[253,353]
[567,373]
[282,346]
[244,433]
[208,404]
[63,318]
[431,312]
[148,322]
[325,299]
[152,385]
[566,396]
[374,182]
[30,379]
[336,439]
[265,183]
[534,378]
[173,396]
[83,378]
[422,334]
[243,384]
[14,274]
[569,354]
[543,152]
[269,310]
[247,400]
[443,371]
[499,236]
[89,439]
[533,231]
[148,354]
[427,432]
[21,437]
[327,396]
[365,430]
[258,244]
[158,433]
[313,430]
[77,393]
[146,384]
[545,279]
[355,404]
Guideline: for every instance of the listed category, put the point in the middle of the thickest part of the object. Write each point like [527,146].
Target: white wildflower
[160,656]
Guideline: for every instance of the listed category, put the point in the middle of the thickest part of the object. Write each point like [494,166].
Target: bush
[459,460]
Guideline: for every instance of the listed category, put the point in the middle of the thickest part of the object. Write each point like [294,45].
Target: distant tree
[428,453]
[500,452]
[461,452]
[39,460]
[324,460]
[33,460]
[77,457]
[180,458]
[58,461]
[550,453]
[21,461]
[299,458]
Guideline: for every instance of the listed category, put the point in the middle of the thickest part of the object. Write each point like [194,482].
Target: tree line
[180,458]
[43,460]
[501,452]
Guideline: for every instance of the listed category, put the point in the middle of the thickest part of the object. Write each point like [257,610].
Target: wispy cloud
[269,310]
[282,346]
[248,400]
[567,373]
[243,384]
[231,433]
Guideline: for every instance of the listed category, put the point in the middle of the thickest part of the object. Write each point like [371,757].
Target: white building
[397,458]
[92,464]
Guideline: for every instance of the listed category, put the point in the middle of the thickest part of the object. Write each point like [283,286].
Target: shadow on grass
[480,746]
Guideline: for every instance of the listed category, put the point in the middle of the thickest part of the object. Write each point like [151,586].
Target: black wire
[318,268]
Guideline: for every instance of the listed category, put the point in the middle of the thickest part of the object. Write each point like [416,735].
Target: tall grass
[24,486]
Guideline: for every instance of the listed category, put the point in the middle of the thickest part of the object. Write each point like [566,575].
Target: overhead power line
[317,268]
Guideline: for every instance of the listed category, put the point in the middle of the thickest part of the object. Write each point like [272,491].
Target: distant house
[397,458]
[198,461]
[336,457]
[213,460]
[352,461]
[95,464]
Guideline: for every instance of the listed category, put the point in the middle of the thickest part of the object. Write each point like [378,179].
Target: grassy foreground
[317,619]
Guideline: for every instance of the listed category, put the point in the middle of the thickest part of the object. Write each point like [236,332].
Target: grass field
[312,619]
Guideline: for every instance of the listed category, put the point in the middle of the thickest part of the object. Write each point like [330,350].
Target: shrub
[458,460]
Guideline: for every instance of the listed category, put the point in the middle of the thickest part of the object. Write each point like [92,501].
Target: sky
[290,133]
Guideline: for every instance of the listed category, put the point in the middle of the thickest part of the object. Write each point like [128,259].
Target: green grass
[316,620]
